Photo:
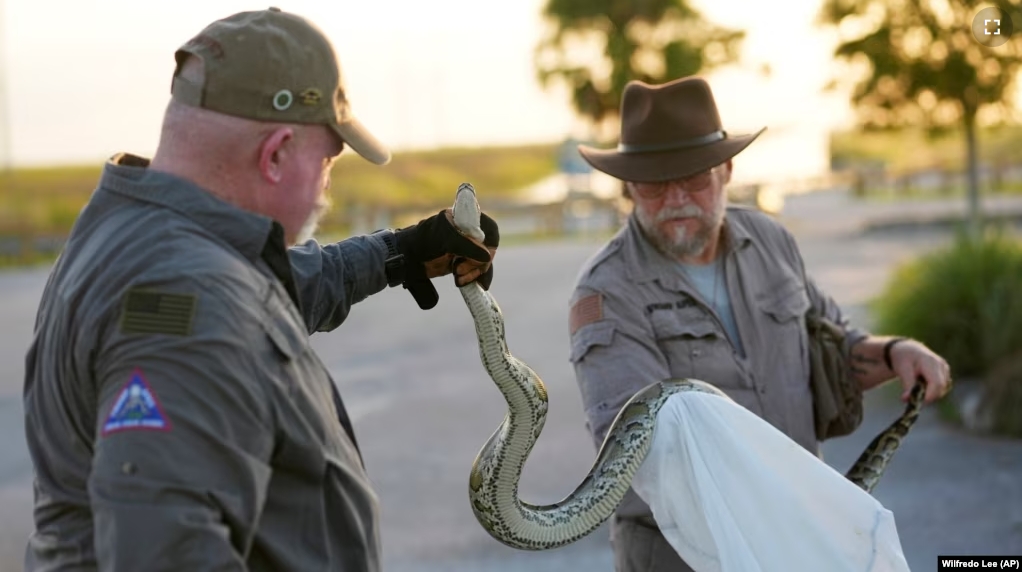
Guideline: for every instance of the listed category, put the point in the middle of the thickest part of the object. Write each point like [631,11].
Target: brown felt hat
[273,66]
[668,131]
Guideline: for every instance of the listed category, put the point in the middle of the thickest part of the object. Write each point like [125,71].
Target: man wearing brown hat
[693,287]
[176,415]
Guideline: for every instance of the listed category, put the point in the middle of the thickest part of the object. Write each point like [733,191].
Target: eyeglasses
[701,181]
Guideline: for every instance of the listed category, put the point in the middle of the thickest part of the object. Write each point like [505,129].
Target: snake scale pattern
[493,480]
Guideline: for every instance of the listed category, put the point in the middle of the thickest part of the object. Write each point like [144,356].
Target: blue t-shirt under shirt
[709,281]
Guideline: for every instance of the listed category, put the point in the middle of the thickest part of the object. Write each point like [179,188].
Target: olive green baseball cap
[270,65]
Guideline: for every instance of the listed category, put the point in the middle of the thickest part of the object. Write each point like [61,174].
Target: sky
[89,78]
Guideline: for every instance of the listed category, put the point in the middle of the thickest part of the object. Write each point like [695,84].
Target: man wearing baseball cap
[694,288]
[176,415]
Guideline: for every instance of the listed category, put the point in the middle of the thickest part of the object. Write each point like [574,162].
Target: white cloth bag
[733,494]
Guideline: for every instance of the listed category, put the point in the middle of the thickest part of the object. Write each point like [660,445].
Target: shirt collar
[128,175]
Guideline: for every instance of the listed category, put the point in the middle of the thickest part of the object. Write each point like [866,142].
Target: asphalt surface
[423,406]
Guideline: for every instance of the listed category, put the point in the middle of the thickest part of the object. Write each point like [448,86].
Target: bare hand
[911,359]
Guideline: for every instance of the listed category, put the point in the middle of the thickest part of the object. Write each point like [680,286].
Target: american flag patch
[152,312]
[587,309]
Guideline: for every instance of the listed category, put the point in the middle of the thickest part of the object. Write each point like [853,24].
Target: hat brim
[355,135]
[659,166]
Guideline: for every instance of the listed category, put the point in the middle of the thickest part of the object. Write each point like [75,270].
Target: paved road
[423,406]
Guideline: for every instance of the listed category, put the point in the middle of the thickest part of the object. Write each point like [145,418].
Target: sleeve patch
[151,312]
[136,407]
[586,310]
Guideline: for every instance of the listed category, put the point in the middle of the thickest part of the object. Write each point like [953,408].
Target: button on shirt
[176,415]
[637,319]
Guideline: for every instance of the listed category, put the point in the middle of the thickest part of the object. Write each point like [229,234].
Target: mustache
[676,212]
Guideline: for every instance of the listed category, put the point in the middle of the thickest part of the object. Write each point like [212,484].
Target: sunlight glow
[421,75]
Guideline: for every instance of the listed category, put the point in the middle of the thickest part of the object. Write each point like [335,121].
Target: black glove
[434,247]
[463,269]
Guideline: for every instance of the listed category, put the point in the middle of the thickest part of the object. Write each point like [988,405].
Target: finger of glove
[473,268]
[459,244]
[467,277]
[490,229]
[486,279]
[464,259]
[468,248]
[465,266]
[439,266]
[466,271]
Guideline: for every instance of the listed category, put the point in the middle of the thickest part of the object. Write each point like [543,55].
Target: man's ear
[727,171]
[273,151]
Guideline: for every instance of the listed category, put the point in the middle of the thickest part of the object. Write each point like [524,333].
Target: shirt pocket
[691,342]
[297,368]
[289,341]
[293,528]
[352,512]
[787,332]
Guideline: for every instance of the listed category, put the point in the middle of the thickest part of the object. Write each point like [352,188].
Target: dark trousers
[640,547]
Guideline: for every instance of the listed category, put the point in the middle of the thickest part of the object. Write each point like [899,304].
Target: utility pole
[12,201]
[5,113]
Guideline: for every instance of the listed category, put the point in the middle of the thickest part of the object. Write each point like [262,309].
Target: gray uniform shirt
[635,320]
[176,414]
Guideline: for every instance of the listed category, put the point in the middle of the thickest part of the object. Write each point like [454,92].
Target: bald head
[209,148]
[278,170]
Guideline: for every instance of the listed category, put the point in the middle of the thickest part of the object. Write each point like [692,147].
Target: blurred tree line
[914,63]
[596,47]
[932,64]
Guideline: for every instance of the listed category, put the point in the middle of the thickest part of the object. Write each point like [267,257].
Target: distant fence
[25,245]
[576,214]
[576,210]
[573,215]
[933,180]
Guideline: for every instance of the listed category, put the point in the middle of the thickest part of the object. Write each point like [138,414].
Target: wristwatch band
[394,264]
[887,351]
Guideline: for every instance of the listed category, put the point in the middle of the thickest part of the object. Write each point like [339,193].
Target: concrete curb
[938,222]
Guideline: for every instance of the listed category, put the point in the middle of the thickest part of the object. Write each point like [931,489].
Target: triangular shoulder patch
[136,407]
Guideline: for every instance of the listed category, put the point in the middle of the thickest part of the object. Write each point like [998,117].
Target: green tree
[923,65]
[596,47]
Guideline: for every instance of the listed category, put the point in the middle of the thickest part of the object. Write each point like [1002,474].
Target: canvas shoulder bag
[837,398]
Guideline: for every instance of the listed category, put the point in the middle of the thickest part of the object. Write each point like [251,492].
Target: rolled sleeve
[331,278]
[184,435]
[612,361]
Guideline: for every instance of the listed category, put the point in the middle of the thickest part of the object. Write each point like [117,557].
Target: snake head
[466,212]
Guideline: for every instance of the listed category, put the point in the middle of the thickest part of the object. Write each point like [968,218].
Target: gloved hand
[434,247]
[468,270]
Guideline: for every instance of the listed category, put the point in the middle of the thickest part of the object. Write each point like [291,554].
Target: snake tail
[870,466]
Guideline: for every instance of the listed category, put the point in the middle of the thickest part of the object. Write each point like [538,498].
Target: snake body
[497,469]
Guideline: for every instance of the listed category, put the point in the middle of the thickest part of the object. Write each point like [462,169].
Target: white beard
[683,244]
[311,224]
[308,230]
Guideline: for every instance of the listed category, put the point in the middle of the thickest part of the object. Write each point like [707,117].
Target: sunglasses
[701,181]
